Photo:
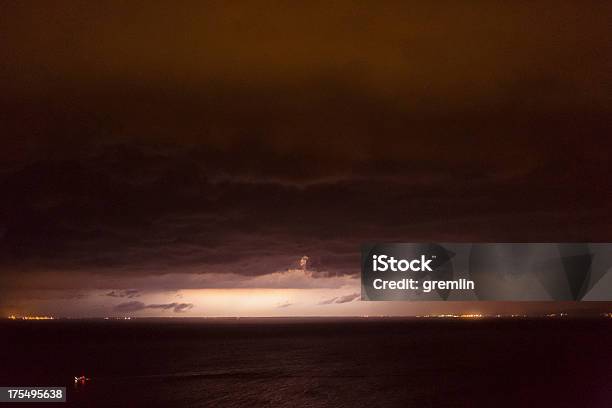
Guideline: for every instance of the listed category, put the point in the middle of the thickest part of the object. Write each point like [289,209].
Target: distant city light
[13,317]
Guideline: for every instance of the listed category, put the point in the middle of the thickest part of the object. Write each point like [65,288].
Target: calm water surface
[315,363]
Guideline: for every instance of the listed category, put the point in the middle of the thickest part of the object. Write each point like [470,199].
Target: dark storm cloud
[88,216]
[347,298]
[128,293]
[176,307]
[340,299]
[182,307]
[221,139]
[135,306]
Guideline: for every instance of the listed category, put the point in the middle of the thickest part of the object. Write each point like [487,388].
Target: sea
[314,362]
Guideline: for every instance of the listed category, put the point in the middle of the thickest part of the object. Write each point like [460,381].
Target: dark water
[315,363]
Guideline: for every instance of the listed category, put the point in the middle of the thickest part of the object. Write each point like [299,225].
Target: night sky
[166,159]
